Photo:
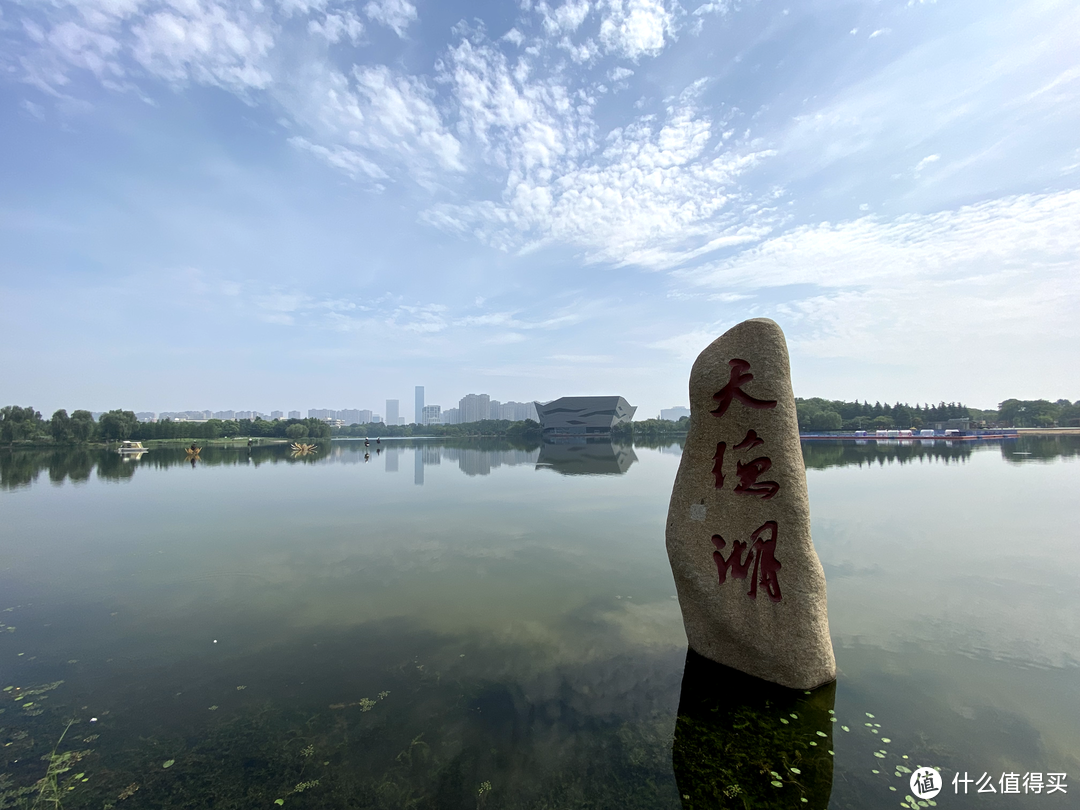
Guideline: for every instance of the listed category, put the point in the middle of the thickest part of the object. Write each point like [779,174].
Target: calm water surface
[481,625]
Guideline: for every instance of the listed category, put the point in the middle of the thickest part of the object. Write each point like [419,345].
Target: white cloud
[347,160]
[656,194]
[636,28]
[34,109]
[515,36]
[880,32]
[394,14]
[208,45]
[334,26]
[620,73]
[1000,271]
[566,18]
[1011,234]
[926,161]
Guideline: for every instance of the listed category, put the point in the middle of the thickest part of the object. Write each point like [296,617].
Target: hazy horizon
[238,205]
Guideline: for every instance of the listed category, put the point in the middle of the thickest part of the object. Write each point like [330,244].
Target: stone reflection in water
[744,742]
[581,457]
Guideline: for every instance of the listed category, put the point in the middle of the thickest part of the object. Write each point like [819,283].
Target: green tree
[826,420]
[117,424]
[19,424]
[296,431]
[882,422]
[60,427]
[81,425]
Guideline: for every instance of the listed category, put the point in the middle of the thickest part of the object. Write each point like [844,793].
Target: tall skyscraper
[391,417]
[432,415]
[418,414]
[294,414]
[474,407]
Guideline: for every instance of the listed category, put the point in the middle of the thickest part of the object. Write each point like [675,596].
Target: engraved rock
[750,584]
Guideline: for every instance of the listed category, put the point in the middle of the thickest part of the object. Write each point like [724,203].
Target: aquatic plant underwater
[437,739]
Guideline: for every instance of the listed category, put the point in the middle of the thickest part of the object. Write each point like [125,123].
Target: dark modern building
[583,416]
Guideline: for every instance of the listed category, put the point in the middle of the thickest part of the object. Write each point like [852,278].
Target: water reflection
[586,458]
[743,742]
[821,454]
[20,467]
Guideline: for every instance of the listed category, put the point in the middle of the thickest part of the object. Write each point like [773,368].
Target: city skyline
[475,404]
[230,202]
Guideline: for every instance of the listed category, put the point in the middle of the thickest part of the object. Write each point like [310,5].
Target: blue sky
[322,204]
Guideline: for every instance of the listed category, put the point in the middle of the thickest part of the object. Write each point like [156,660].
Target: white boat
[131,447]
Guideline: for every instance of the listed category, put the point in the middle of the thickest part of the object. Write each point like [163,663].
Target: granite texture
[749,581]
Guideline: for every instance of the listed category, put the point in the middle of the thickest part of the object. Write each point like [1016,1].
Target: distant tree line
[650,429]
[26,425]
[826,414]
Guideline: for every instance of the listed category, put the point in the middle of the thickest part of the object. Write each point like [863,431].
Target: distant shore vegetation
[25,425]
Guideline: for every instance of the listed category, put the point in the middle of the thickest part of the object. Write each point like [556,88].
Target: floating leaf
[870,715]
[845,728]
[795,770]
[785,721]
[279,801]
[168,763]
[822,734]
[886,740]
[777,784]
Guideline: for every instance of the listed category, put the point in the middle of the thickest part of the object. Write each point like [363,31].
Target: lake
[437,624]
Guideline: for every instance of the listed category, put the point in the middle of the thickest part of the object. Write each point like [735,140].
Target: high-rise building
[451,416]
[146,416]
[431,415]
[365,417]
[224,414]
[474,407]
[674,414]
[276,414]
[350,416]
[418,414]
[319,413]
[294,414]
[391,411]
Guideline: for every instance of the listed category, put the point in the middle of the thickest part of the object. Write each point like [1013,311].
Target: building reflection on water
[586,458]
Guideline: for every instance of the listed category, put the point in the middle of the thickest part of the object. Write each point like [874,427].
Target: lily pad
[168,763]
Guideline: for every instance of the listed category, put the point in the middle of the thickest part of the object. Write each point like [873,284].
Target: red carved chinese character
[750,441]
[733,390]
[748,478]
[734,560]
[718,467]
[762,556]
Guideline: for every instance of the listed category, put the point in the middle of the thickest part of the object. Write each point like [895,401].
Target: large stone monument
[750,584]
